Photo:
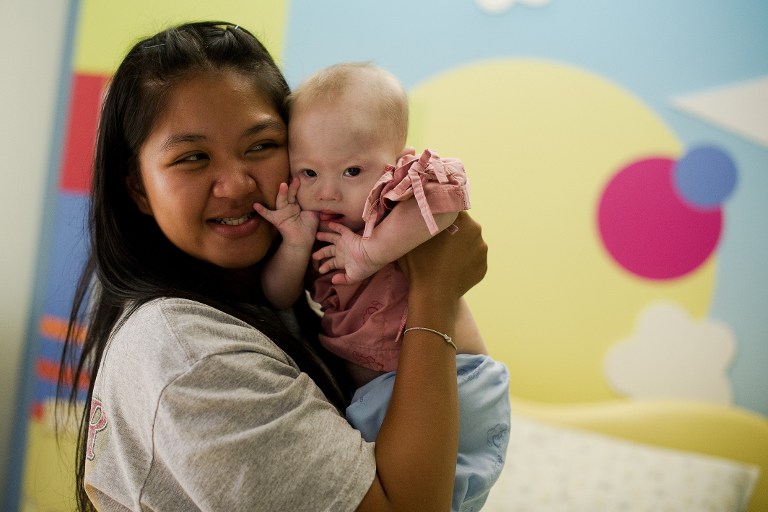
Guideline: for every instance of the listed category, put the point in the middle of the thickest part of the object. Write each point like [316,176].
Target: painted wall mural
[618,156]
[617,153]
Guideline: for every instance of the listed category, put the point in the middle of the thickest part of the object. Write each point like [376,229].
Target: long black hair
[130,260]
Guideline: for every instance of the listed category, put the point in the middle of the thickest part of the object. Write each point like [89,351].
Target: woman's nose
[234,182]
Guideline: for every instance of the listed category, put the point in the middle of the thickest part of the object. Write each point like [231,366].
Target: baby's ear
[408,150]
[136,191]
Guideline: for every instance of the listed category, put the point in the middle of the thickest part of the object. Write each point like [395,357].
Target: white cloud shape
[499,6]
[741,108]
[671,355]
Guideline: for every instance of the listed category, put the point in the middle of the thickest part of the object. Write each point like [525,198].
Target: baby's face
[338,159]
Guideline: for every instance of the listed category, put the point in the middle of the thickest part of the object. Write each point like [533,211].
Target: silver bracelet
[447,338]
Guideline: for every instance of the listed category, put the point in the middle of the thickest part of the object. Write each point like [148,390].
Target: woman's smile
[237,227]
[231,221]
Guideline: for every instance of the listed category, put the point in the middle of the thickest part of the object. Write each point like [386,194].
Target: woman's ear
[136,191]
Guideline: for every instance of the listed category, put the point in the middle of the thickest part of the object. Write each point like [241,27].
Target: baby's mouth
[328,216]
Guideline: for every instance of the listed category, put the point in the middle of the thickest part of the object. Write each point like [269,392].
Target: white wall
[31,46]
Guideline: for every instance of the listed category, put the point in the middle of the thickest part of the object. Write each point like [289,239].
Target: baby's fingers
[337,229]
[265,212]
[283,197]
[327,266]
[326,236]
[323,253]
[293,189]
[341,278]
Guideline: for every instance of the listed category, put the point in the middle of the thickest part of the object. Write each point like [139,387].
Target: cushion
[550,468]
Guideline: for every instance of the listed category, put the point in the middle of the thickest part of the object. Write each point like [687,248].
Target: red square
[80,138]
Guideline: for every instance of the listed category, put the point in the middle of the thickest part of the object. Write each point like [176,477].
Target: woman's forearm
[417,445]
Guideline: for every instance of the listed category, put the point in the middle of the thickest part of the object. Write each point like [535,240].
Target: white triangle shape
[741,108]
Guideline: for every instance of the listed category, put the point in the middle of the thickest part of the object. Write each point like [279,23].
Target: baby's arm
[282,278]
[400,231]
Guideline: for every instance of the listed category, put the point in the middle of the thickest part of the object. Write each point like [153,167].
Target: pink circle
[648,229]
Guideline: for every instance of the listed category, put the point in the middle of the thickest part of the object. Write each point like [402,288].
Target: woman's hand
[448,265]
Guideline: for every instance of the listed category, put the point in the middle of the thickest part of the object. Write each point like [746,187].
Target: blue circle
[705,176]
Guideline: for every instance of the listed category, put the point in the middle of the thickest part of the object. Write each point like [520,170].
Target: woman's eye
[352,171]
[194,157]
[262,146]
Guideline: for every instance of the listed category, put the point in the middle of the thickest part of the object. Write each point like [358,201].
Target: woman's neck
[244,284]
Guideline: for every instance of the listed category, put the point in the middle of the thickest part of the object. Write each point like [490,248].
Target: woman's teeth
[234,222]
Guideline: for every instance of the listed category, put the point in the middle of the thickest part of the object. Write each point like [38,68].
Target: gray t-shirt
[196,410]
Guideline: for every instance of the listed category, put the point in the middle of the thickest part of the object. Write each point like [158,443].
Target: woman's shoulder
[192,330]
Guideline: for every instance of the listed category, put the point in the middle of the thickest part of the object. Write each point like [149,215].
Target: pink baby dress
[363,322]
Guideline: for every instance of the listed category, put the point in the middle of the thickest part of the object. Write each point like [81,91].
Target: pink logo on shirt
[97,423]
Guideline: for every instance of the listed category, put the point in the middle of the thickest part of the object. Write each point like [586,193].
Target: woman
[201,396]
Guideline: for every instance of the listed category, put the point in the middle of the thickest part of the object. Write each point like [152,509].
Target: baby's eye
[309,173]
[352,171]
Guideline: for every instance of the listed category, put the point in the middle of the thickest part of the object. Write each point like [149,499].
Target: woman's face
[217,148]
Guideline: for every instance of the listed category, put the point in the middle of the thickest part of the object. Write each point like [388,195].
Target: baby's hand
[296,226]
[346,252]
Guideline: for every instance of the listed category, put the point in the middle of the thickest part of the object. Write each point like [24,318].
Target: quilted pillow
[557,469]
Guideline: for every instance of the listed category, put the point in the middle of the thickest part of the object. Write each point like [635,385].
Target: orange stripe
[49,370]
[56,328]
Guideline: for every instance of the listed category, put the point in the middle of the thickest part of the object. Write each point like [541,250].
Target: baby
[370,201]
